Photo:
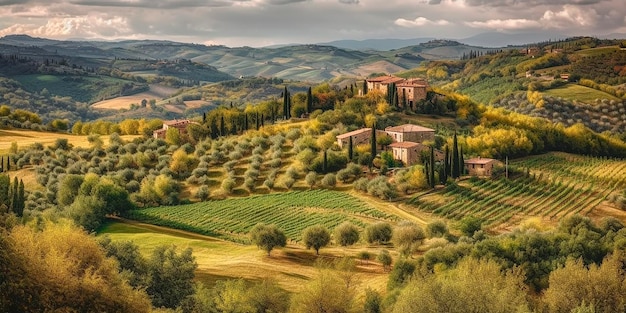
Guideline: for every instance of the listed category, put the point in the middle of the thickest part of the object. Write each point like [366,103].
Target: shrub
[379,233]
[329,180]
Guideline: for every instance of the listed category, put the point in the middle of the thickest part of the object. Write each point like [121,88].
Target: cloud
[420,21]
[84,27]
[569,16]
[528,3]
[161,4]
[505,24]
[349,1]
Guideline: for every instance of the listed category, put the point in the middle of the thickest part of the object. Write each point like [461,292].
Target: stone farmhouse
[480,166]
[407,141]
[413,90]
[180,125]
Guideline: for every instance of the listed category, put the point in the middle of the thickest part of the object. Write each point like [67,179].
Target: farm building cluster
[408,145]
[409,90]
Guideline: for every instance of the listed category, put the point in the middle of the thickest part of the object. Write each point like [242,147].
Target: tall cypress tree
[14,207]
[262,120]
[446,162]
[21,199]
[456,169]
[233,126]
[373,147]
[350,149]
[325,162]
[222,126]
[288,105]
[245,123]
[364,87]
[256,119]
[309,101]
[461,161]
[431,172]
[285,103]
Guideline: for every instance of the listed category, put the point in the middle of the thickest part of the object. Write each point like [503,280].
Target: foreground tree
[407,237]
[316,237]
[473,286]
[171,276]
[379,233]
[267,237]
[61,269]
[327,292]
[346,234]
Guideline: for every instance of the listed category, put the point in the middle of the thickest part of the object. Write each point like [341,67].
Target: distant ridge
[498,40]
[377,44]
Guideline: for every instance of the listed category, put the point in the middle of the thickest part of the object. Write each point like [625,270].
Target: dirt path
[169,231]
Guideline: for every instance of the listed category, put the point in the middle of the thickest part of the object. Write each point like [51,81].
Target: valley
[283,173]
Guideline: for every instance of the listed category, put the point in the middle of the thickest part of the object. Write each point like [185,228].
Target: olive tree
[267,237]
[346,234]
[315,237]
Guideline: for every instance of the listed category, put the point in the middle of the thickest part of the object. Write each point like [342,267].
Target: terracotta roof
[404,144]
[392,79]
[479,161]
[415,82]
[354,133]
[408,128]
[380,78]
[176,122]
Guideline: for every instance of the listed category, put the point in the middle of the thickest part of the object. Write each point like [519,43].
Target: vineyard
[291,211]
[558,185]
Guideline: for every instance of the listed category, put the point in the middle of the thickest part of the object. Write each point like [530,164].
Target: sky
[271,22]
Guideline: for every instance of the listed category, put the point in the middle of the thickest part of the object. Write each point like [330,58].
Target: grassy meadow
[217,260]
[26,138]
[579,93]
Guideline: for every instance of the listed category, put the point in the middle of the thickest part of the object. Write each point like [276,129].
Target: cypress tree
[309,101]
[14,196]
[427,172]
[233,126]
[456,169]
[461,161]
[8,163]
[288,105]
[325,162]
[350,149]
[285,103]
[245,123]
[222,126]
[256,120]
[214,129]
[431,172]
[364,87]
[373,143]
[2,165]
[21,199]
[442,175]
[447,167]
[262,120]
[203,117]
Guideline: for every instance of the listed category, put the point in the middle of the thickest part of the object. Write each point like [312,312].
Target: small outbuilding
[480,166]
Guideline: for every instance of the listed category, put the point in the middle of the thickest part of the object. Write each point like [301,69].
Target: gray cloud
[528,3]
[265,22]
[162,4]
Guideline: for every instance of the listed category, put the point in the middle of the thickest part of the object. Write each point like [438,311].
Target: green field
[559,185]
[579,93]
[231,219]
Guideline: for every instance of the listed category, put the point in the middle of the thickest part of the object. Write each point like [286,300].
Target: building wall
[418,137]
[359,139]
[408,156]
[480,169]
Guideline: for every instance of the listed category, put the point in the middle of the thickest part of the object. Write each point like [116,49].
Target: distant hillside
[313,63]
[376,44]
